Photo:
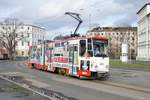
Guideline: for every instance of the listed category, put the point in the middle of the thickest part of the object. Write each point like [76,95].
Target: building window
[16,53]
[22,43]
[97,34]
[133,38]
[9,28]
[28,53]
[133,51]
[133,33]
[16,44]
[28,28]
[22,53]
[28,43]
[21,27]
[28,35]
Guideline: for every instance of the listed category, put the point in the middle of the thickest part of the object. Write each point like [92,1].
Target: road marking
[10,73]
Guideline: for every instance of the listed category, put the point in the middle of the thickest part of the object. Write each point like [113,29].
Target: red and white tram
[80,57]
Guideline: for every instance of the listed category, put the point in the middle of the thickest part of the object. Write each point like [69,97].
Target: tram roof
[81,38]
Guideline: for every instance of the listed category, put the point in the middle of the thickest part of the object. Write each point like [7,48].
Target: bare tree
[10,35]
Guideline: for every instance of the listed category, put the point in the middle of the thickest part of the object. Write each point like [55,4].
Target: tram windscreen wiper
[100,55]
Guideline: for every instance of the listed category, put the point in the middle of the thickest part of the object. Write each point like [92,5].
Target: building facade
[3,53]
[26,36]
[144,33]
[33,35]
[117,36]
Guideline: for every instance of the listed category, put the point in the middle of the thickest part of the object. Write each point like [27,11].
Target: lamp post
[129,42]
[90,21]
[89,18]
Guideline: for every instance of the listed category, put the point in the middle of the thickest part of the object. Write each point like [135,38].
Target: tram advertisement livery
[79,57]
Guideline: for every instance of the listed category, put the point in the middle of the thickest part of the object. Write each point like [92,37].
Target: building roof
[101,29]
[143,7]
[82,38]
[34,26]
[26,25]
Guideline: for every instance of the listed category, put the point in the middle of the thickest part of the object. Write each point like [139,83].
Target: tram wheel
[104,76]
[62,71]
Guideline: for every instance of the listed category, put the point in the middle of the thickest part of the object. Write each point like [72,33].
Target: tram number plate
[84,73]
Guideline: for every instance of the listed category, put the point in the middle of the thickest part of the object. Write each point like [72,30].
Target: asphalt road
[79,89]
[132,77]
[10,91]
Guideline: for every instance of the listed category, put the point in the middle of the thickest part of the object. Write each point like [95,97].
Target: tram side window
[57,44]
[33,53]
[90,51]
[38,54]
[82,47]
[100,49]
[75,48]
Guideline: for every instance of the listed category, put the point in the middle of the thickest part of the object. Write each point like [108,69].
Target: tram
[79,57]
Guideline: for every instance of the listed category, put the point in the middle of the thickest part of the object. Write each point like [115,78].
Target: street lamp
[89,15]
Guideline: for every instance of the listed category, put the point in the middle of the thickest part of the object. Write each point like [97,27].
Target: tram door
[73,59]
[50,68]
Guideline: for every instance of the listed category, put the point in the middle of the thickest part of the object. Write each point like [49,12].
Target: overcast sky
[50,13]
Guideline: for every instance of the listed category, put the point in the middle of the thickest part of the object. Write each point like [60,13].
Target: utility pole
[89,21]
[130,47]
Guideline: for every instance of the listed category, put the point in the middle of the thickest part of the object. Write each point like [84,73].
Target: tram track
[125,86]
[109,87]
[115,84]
[107,84]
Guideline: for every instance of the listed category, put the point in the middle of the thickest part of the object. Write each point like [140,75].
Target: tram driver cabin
[80,57]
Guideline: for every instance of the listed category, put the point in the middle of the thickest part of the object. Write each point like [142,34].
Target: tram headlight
[107,66]
[96,66]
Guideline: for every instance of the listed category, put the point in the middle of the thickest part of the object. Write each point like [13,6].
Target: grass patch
[119,64]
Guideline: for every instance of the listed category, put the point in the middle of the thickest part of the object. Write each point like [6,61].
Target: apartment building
[32,35]
[117,36]
[144,33]
[26,36]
